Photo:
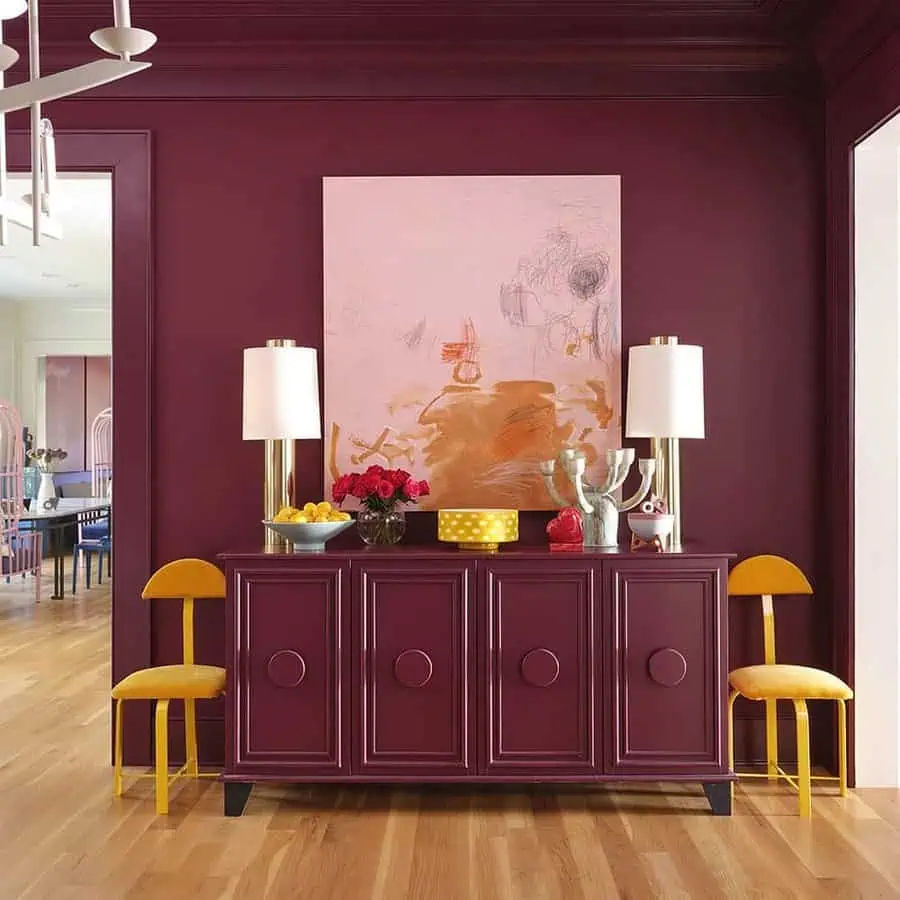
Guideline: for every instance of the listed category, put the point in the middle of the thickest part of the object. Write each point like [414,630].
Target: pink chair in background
[101,454]
[20,548]
[94,537]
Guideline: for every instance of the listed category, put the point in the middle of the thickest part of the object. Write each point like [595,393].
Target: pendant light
[121,40]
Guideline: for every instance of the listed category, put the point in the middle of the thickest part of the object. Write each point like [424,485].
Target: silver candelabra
[598,505]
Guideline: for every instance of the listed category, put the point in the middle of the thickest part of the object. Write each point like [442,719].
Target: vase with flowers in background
[45,458]
[380,492]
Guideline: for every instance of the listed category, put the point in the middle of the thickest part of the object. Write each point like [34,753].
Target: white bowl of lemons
[310,526]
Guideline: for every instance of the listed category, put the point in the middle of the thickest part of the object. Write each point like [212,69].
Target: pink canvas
[472,329]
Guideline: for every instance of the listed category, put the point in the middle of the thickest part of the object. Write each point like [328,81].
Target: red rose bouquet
[379,489]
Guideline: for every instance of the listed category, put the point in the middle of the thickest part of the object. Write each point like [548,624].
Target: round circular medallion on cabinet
[286,668]
[667,667]
[413,668]
[540,667]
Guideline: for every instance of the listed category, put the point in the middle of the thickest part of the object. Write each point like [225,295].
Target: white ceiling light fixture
[121,40]
[21,211]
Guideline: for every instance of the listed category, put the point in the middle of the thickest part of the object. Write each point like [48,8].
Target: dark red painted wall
[722,246]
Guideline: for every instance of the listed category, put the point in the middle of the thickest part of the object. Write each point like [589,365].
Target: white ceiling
[76,269]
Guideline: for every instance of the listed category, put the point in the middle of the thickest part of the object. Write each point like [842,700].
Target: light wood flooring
[63,836]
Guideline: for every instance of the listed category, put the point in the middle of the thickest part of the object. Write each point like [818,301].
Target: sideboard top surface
[449,551]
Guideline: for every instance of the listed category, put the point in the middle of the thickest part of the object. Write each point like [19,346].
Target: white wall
[877,449]
[31,331]
[9,352]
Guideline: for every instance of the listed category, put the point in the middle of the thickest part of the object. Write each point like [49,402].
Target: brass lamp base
[667,483]
[278,486]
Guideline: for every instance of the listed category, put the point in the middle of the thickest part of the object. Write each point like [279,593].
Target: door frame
[866,100]
[127,156]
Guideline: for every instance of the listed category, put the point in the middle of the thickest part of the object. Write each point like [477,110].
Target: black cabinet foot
[718,793]
[236,795]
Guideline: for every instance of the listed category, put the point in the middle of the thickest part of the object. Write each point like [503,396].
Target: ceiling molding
[852,31]
[283,49]
[419,70]
[211,21]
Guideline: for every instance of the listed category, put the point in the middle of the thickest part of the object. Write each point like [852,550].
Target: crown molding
[850,33]
[212,21]
[421,70]
[283,49]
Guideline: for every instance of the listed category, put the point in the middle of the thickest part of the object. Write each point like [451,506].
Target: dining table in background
[69,512]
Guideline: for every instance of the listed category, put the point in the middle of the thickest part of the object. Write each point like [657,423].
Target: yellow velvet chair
[767,577]
[187,580]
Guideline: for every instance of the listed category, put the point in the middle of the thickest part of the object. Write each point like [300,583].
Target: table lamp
[281,405]
[665,403]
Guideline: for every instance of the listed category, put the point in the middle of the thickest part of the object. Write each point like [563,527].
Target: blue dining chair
[88,547]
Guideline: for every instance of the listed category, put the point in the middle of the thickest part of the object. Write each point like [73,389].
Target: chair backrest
[11,475]
[101,453]
[767,577]
[186,580]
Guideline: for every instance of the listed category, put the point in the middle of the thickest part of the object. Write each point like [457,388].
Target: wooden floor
[63,836]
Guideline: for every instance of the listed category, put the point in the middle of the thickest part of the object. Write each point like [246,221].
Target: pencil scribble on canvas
[482,335]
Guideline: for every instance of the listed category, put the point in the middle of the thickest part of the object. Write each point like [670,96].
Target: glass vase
[381,528]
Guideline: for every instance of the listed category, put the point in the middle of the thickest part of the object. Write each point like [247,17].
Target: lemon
[323,508]
[299,517]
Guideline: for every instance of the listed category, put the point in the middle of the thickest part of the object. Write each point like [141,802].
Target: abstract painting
[472,329]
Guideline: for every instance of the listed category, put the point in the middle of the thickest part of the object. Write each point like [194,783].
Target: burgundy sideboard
[437,665]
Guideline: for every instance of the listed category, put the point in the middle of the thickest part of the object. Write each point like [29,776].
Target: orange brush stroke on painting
[487,445]
[597,405]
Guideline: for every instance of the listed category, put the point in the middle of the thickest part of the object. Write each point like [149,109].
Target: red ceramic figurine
[566,531]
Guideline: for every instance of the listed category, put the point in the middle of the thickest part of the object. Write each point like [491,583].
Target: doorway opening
[56,370]
[876,177]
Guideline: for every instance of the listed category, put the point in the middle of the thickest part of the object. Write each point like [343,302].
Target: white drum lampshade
[665,392]
[281,393]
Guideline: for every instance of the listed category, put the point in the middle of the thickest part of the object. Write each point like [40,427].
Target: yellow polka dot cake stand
[478,529]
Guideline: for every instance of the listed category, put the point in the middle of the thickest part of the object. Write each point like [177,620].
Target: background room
[55,365]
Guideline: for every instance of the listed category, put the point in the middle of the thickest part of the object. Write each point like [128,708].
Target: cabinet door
[664,621]
[539,663]
[416,700]
[289,678]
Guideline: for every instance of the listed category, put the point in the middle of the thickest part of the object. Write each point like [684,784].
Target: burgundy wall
[722,246]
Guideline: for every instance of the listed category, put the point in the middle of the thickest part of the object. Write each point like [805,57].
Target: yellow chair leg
[162,757]
[190,737]
[803,773]
[772,739]
[731,698]
[117,752]
[842,746]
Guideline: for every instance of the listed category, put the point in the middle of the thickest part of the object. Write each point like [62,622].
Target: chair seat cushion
[95,530]
[94,545]
[780,682]
[171,683]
